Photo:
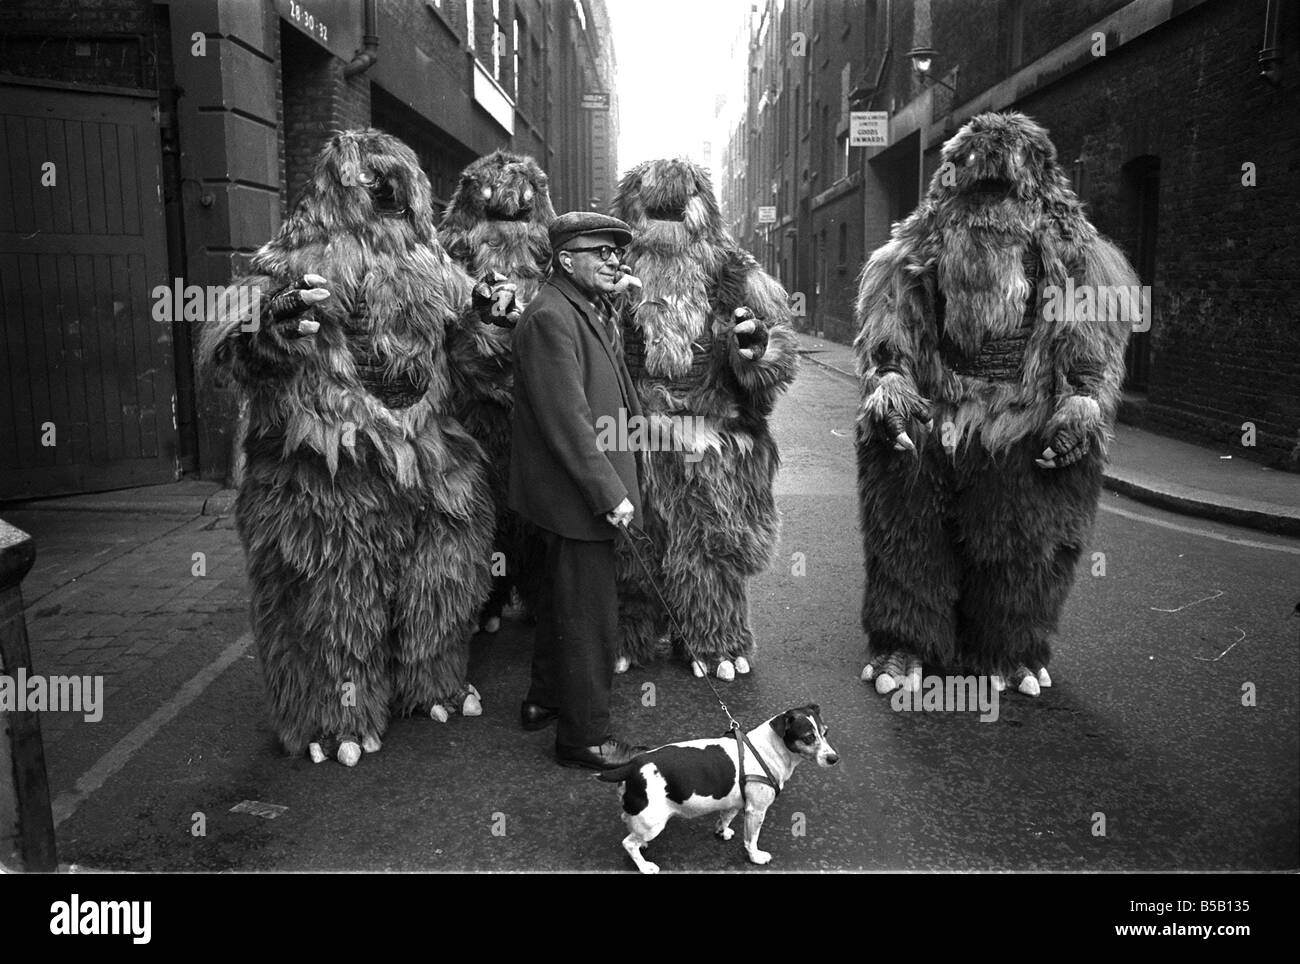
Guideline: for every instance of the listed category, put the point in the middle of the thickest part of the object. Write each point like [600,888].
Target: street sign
[767,214]
[595,100]
[869,128]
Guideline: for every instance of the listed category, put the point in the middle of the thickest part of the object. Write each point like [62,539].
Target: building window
[515,51]
[469,24]
[844,244]
[843,142]
[498,40]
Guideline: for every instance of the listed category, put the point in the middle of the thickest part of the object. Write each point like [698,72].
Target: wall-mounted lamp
[922,60]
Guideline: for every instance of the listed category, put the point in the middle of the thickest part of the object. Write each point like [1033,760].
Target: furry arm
[1089,353]
[891,314]
[270,343]
[546,364]
[762,348]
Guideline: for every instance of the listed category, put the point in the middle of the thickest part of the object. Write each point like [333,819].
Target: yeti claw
[316,753]
[492,624]
[439,712]
[349,753]
[698,669]
[473,705]
[742,666]
[371,744]
[898,669]
[726,670]
[622,665]
[1044,680]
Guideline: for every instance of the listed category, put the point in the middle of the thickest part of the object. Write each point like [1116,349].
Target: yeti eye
[487,193]
[528,194]
[970,158]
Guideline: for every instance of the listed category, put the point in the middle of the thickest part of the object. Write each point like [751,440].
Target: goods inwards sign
[869,128]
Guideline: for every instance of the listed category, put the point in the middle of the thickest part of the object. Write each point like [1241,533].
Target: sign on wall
[595,100]
[869,128]
[767,214]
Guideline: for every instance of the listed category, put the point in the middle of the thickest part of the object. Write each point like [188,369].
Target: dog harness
[742,741]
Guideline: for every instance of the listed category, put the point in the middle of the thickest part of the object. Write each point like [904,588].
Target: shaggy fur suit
[496,223]
[365,510]
[985,413]
[711,349]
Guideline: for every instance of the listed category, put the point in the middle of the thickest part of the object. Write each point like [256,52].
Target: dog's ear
[780,723]
[813,710]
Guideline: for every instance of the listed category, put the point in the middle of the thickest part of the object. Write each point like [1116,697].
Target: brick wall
[108,43]
[1225,337]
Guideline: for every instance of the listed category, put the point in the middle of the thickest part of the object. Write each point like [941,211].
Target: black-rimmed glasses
[603,251]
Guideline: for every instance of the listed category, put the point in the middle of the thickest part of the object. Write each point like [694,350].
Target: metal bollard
[26,822]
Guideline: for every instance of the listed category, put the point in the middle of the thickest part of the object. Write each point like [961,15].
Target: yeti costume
[496,224]
[710,349]
[365,512]
[985,410]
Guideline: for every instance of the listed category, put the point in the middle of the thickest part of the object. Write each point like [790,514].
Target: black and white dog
[707,776]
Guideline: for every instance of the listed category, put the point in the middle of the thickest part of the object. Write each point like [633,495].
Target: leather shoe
[534,716]
[608,755]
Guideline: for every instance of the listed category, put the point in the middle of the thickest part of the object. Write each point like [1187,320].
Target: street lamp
[922,59]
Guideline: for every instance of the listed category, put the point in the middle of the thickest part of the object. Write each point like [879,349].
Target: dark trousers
[577,637]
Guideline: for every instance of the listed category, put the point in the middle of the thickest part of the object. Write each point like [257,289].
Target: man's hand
[622,514]
[627,281]
[286,306]
[494,299]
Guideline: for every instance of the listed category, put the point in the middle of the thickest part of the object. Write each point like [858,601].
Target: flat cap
[574,224]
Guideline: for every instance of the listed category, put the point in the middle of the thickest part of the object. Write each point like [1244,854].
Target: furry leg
[443,580]
[911,571]
[1021,530]
[318,611]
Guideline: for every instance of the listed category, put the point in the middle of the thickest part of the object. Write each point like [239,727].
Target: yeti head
[367,182]
[996,158]
[500,187]
[672,197]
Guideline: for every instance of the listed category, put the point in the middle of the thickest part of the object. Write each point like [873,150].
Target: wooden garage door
[82,361]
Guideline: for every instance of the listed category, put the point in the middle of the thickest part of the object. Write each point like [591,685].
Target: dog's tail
[619,774]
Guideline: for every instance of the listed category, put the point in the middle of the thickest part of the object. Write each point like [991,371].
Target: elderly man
[570,377]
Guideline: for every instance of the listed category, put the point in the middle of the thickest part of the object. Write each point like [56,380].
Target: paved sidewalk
[1179,476]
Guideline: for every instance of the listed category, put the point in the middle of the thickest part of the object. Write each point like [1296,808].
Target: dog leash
[636,534]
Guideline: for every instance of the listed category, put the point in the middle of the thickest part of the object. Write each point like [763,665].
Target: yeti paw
[622,665]
[742,666]
[1029,682]
[473,704]
[891,408]
[349,753]
[439,712]
[751,335]
[1077,419]
[759,857]
[899,668]
[492,624]
[726,669]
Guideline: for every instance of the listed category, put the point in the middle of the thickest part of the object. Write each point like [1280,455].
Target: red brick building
[153,141]
[1184,153]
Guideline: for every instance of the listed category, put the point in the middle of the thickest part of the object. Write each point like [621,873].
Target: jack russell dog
[723,776]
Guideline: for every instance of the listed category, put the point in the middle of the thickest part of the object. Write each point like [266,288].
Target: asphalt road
[1145,725]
